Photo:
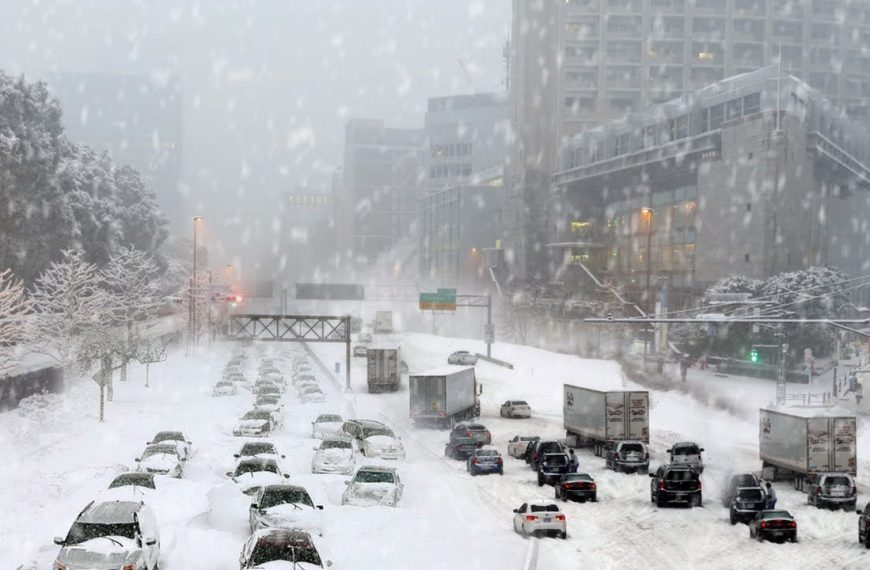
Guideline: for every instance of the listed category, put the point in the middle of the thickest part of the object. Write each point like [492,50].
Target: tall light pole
[648,212]
[193,298]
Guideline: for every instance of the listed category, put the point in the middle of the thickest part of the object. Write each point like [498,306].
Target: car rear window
[681,475]
[476,427]
[744,481]
[776,515]
[486,452]
[578,477]
[556,459]
[519,403]
[257,448]
[837,480]
[687,450]
[335,444]
[750,495]
[629,447]
[544,508]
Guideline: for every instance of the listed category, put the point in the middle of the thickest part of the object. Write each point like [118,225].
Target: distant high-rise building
[578,63]
[465,134]
[136,119]
[381,178]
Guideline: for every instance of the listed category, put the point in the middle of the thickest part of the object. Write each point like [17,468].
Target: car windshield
[476,427]
[328,419]
[837,480]
[750,495]
[369,432]
[775,515]
[256,467]
[168,436]
[519,403]
[687,450]
[631,448]
[82,532]
[268,550]
[374,477]
[681,475]
[544,508]
[283,496]
[267,400]
[258,448]
[335,444]
[486,453]
[159,450]
[257,415]
[137,479]
[556,459]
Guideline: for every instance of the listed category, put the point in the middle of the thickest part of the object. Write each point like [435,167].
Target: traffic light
[754,356]
[234,300]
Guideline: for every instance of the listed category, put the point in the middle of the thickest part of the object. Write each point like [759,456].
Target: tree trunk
[129,343]
[102,400]
[107,378]
[147,374]
[123,375]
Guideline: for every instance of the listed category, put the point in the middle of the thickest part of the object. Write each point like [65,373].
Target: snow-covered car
[162,459]
[284,506]
[335,454]
[477,431]
[360,351]
[111,534]
[462,358]
[326,424]
[224,388]
[264,386]
[518,446]
[381,442]
[306,384]
[312,397]
[277,549]
[687,453]
[275,377]
[276,414]
[269,402]
[373,485]
[252,474]
[540,517]
[133,479]
[258,450]
[515,409]
[236,376]
[254,423]
[303,378]
[184,446]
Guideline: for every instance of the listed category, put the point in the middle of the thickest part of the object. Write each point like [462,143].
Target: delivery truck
[383,322]
[444,396]
[794,446]
[382,369]
[599,419]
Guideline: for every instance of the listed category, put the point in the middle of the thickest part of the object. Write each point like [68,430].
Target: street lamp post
[194,285]
[648,212]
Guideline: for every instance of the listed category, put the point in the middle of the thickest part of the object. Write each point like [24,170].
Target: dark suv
[540,448]
[551,468]
[736,482]
[833,490]
[747,502]
[864,525]
[461,445]
[675,484]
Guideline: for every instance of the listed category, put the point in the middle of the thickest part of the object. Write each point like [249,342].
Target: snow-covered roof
[443,370]
[110,512]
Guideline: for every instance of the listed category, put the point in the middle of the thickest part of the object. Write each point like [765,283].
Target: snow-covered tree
[103,348]
[130,278]
[14,307]
[153,351]
[68,302]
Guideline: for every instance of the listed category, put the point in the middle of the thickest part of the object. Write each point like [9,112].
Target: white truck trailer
[444,396]
[597,419]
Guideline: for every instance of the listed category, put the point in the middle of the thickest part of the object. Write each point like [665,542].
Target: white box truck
[382,369]
[444,396]
[383,322]
[795,446]
[597,419]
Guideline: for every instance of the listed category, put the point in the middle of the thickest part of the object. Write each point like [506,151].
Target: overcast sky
[268,84]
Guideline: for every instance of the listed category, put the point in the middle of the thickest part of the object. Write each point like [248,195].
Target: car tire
[540,482]
[473,473]
[563,535]
[595,498]
[866,542]
[732,519]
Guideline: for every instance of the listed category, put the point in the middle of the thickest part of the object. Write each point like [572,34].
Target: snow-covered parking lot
[59,457]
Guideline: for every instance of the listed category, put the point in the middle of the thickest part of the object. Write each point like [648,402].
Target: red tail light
[792,524]
[531,518]
[698,484]
[763,524]
[560,517]
[499,460]
[818,490]
[662,486]
[476,461]
[593,486]
[469,434]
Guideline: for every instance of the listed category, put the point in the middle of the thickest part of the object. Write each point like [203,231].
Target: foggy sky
[268,84]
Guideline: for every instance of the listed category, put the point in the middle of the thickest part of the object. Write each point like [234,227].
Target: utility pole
[208,308]
[489,333]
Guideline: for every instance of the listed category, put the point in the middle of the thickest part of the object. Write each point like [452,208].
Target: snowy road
[59,457]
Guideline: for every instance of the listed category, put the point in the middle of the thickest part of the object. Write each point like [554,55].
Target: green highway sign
[443,300]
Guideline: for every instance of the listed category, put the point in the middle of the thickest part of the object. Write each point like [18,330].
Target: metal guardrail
[503,363]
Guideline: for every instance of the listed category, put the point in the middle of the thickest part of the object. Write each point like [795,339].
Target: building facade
[136,119]
[576,64]
[380,184]
[754,175]
[465,134]
[457,225]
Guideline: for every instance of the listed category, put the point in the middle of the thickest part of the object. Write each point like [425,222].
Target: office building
[754,175]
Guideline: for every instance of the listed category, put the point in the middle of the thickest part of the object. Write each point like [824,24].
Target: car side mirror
[184,458]
[702,450]
[147,443]
[347,482]
[329,563]
[516,510]
[189,443]
[286,475]
[671,450]
[255,506]
[229,473]
[151,542]
[859,511]
[58,540]
[137,460]
[283,457]
[236,455]
[652,474]
[319,507]
[314,448]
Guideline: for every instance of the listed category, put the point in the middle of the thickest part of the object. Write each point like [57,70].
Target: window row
[449,170]
[452,149]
